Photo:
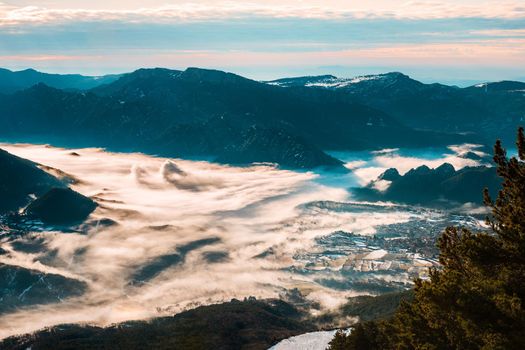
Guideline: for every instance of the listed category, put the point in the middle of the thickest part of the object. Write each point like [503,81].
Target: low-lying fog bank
[171,234]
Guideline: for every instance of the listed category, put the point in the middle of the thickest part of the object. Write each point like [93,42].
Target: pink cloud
[43,58]
[508,52]
[511,51]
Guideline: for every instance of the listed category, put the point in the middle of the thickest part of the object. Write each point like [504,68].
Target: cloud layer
[207,10]
[191,233]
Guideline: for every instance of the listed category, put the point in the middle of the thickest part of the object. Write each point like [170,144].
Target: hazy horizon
[420,77]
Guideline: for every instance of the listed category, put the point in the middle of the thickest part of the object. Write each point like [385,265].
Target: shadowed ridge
[19,179]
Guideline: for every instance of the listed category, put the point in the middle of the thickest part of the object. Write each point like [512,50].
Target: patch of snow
[332,82]
[307,341]
[364,78]
[324,84]
[340,83]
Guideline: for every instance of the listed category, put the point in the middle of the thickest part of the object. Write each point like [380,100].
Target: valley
[165,226]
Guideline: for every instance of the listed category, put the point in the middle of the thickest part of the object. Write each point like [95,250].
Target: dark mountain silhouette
[490,110]
[441,186]
[21,178]
[200,112]
[15,81]
[61,206]
[23,183]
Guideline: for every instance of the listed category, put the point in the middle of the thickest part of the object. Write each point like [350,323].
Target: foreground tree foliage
[477,299]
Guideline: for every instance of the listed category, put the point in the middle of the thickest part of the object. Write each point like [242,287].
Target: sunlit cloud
[207,10]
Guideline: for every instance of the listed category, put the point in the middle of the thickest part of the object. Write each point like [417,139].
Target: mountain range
[15,81]
[490,110]
[201,113]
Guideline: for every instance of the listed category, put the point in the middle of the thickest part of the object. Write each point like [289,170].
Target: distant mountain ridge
[199,112]
[491,110]
[13,81]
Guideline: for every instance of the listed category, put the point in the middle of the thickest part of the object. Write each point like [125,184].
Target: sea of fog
[188,233]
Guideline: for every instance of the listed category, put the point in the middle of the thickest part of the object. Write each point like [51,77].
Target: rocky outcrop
[61,206]
[441,186]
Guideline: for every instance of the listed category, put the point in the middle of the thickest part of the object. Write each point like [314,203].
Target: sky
[450,41]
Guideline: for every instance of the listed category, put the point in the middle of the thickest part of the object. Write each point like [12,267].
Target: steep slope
[275,146]
[14,81]
[23,183]
[19,179]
